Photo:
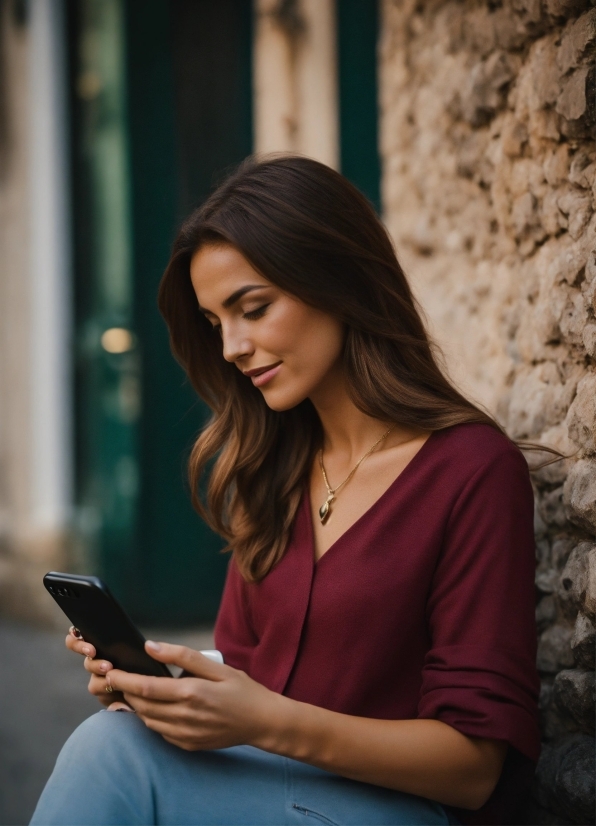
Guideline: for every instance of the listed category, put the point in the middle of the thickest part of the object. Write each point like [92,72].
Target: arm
[222,707]
[423,757]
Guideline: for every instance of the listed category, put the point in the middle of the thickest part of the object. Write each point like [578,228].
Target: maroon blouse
[424,607]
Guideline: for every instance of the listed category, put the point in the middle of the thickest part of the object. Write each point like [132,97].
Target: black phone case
[91,608]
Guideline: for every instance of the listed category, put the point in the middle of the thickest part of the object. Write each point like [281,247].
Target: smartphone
[92,609]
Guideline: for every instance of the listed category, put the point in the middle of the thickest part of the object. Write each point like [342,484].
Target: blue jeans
[114,771]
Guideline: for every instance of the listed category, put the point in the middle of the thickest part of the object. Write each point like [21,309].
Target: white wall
[50,331]
[295,80]
[35,324]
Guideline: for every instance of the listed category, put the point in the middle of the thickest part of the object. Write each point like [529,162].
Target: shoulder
[473,456]
[475,463]
[472,447]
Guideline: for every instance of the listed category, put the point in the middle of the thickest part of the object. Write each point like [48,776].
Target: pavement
[44,698]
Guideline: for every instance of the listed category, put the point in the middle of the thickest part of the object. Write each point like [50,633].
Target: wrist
[276,724]
[292,729]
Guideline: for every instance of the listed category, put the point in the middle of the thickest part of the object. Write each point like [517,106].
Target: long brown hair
[308,230]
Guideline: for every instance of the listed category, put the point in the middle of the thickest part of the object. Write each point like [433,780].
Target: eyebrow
[236,296]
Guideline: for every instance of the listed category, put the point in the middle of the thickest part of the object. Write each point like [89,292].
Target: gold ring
[109,689]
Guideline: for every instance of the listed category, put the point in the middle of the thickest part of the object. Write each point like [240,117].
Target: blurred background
[117,118]
[471,127]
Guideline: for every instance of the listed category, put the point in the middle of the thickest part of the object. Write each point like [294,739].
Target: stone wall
[488,126]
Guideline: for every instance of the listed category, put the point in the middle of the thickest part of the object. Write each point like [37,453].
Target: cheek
[315,342]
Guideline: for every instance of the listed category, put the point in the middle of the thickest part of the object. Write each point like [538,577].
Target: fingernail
[86,650]
[104,666]
[154,646]
[75,632]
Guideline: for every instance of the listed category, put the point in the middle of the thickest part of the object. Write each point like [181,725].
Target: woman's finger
[70,641]
[172,740]
[188,659]
[157,709]
[154,688]
[97,687]
[171,731]
[80,646]
[73,636]
[100,667]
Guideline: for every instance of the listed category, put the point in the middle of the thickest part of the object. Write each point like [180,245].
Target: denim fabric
[114,771]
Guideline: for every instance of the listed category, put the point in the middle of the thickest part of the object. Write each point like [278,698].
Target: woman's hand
[97,668]
[214,708]
[219,706]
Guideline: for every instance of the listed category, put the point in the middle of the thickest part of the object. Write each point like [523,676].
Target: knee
[107,736]
[101,774]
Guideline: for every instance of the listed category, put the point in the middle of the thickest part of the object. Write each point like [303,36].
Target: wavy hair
[308,230]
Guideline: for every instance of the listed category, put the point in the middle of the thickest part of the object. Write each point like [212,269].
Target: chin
[280,401]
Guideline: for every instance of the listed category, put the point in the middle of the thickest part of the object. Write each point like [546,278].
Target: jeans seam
[312,813]
[289,785]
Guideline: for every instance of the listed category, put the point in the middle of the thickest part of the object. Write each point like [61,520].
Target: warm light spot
[117,340]
[89,85]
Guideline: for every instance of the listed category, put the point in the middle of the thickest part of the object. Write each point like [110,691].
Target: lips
[261,375]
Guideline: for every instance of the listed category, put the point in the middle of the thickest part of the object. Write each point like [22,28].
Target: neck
[347,430]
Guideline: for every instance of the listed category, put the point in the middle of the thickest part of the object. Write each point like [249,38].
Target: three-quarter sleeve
[479,675]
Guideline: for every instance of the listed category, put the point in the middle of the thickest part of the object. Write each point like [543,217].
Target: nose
[235,344]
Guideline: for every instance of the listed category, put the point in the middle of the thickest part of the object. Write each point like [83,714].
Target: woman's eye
[254,314]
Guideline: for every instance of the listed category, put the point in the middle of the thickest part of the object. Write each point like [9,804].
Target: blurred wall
[295,108]
[34,319]
[488,127]
[295,78]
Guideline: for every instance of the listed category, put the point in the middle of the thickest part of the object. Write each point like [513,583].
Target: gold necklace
[325,508]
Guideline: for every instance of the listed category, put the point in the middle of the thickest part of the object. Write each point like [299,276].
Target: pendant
[325,509]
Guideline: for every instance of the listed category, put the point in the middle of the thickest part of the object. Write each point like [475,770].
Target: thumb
[188,659]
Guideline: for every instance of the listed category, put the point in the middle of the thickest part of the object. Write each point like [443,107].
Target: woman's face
[289,350]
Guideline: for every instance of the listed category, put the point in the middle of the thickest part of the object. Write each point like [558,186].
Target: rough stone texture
[554,649]
[590,601]
[487,137]
[576,40]
[581,418]
[583,642]
[574,694]
[579,494]
[565,779]
[574,580]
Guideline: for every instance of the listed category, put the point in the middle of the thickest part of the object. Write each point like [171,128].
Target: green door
[106,352]
[357,35]
[150,137]
[189,65]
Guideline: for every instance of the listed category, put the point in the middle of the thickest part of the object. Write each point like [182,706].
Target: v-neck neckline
[367,513]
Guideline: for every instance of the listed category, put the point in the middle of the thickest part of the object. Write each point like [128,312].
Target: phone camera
[64,591]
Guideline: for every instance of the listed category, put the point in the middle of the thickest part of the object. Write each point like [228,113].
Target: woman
[377,622]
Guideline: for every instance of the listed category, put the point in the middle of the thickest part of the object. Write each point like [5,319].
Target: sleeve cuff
[483,693]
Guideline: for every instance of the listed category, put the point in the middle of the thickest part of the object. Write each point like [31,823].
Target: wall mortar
[488,121]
